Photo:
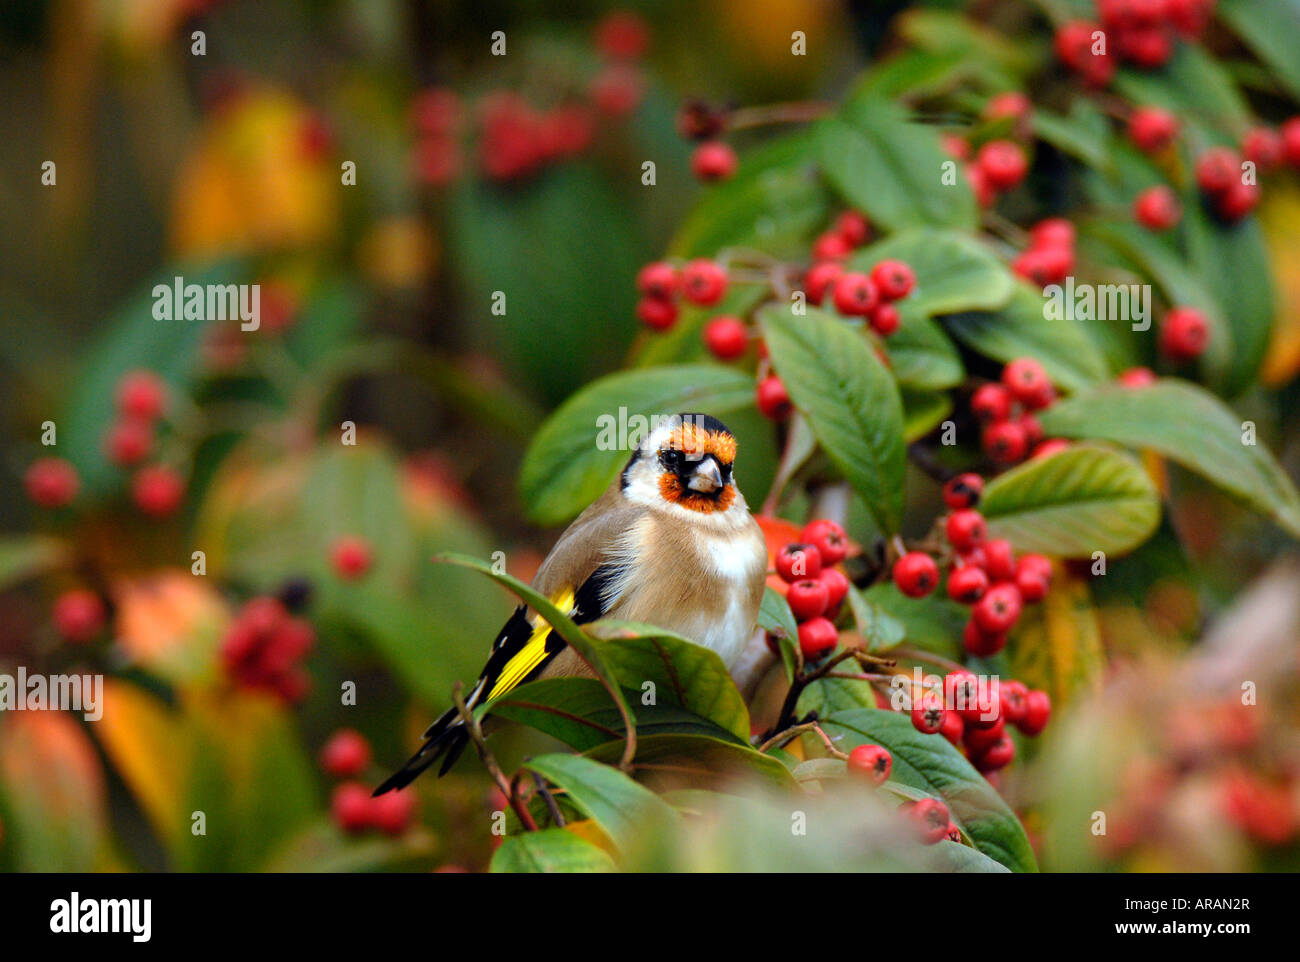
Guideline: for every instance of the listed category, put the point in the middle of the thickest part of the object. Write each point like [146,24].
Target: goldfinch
[670,543]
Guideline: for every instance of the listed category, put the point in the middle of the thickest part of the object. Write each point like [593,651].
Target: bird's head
[685,461]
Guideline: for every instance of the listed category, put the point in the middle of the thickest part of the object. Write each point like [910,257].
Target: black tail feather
[446,739]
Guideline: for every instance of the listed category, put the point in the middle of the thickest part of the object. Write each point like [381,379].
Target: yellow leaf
[1059,649]
[1279,215]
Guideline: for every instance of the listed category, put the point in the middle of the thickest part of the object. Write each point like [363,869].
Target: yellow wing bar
[533,653]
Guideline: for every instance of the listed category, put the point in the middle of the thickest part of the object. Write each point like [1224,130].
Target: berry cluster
[816,588]
[262,649]
[973,716]
[157,490]
[1049,258]
[850,231]
[859,294]
[1005,409]
[984,573]
[701,282]
[1219,175]
[1139,32]
[928,818]
[347,755]
[517,139]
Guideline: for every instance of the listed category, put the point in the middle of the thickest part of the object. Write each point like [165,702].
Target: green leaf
[670,758]
[826,696]
[776,618]
[774,201]
[923,411]
[1186,424]
[913,72]
[954,272]
[891,169]
[949,856]
[1193,85]
[933,623]
[580,448]
[26,556]
[617,804]
[559,622]
[577,711]
[1269,28]
[1086,498]
[921,355]
[550,850]
[1083,134]
[930,763]
[1020,329]
[849,399]
[879,629]
[684,673]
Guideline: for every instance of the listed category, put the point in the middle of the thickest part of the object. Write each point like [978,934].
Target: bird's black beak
[706,478]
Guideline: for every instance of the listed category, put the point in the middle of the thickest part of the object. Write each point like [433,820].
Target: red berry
[871,762]
[1184,332]
[981,643]
[1136,377]
[726,337]
[953,727]
[916,574]
[997,755]
[998,610]
[977,739]
[967,584]
[1217,169]
[1038,709]
[893,279]
[1012,104]
[830,540]
[884,319]
[963,491]
[1263,147]
[1147,46]
[1290,132]
[928,718]
[854,294]
[1044,265]
[1033,577]
[158,490]
[128,441]
[1047,448]
[772,399]
[713,160]
[999,559]
[141,394]
[965,529]
[1156,208]
[1152,129]
[958,148]
[930,817]
[797,561]
[392,812]
[435,111]
[808,599]
[1006,442]
[659,280]
[1003,163]
[622,35]
[350,806]
[616,91]
[51,482]
[820,278]
[817,638]
[78,615]
[1237,201]
[984,193]
[991,403]
[656,313]
[1052,232]
[1028,383]
[351,557]
[854,227]
[837,589]
[703,282]
[345,755]
[953,834]
[1014,696]
[831,246]
[1073,43]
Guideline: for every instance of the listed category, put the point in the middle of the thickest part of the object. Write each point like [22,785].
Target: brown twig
[785,737]
[489,762]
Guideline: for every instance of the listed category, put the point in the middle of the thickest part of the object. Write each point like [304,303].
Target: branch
[476,736]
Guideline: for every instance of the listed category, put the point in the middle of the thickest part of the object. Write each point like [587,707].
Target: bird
[671,542]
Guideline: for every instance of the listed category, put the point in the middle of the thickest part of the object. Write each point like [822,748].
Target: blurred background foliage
[225,168]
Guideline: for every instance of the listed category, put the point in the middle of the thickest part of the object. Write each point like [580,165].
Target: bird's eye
[671,459]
